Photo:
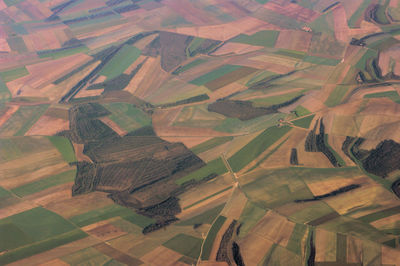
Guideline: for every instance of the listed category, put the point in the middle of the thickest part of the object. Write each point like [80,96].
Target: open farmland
[180,132]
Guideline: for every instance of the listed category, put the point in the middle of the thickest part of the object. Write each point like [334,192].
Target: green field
[12,2]
[278,99]
[127,116]
[303,122]
[120,62]
[257,146]
[55,54]
[4,92]
[336,96]
[188,66]
[209,144]
[216,166]
[249,218]
[362,63]
[359,12]
[108,212]
[45,183]
[321,60]
[213,75]
[17,44]
[266,38]
[185,244]
[12,74]
[208,243]
[301,111]
[31,226]
[64,146]
[42,246]
[291,53]
[22,120]
[87,256]
[337,156]
[206,217]
[380,214]
[294,243]
[393,95]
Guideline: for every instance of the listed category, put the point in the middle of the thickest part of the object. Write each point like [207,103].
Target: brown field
[88,93]
[293,11]
[354,250]
[384,60]
[42,74]
[149,78]
[200,208]
[391,220]
[16,208]
[236,48]
[161,256]
[11,109]
[79,204]
[16,14]
[188,141]
[190,12]
[161,123]
[325,246]
[345,203]
[79,153]
[106,120]
[390,256]
[4,47]
[51,194]
[223,32]
[340,24]
[294,40]
[43,40]
[326,186]
[116,254]
[205,190]
[106,232]
[55,262]
[254,247]
[234,207]
[47,125]
[17,172]
[274,227]
[226,91]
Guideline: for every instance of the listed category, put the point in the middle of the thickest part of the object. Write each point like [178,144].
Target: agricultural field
[180,132]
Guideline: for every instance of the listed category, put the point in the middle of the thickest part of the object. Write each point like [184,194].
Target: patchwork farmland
[178,132]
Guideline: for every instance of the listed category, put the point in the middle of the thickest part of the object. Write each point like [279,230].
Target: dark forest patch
[138,170]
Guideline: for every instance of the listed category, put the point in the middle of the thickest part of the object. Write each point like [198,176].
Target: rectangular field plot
[215,167]
[22,120]
[265,38]
[45,183]
[216,73]
[255,147]
[127,116]
[110,212]
[185,244]
[121,61]
[34,231]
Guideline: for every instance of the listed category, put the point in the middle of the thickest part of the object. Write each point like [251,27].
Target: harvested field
[47,125]
[294,40]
